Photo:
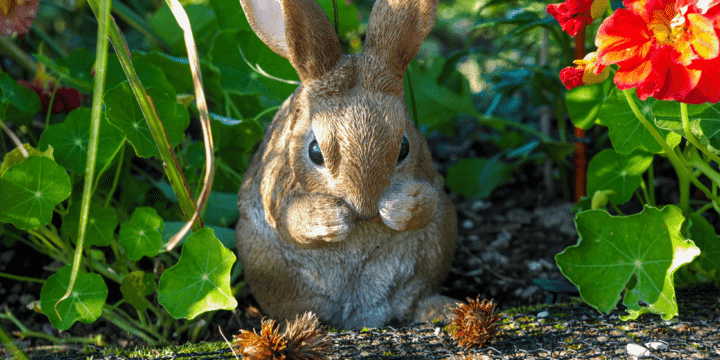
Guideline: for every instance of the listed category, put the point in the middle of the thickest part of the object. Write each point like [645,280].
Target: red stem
[580,147]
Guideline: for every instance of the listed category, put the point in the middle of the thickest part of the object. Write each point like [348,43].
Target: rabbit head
[348,133]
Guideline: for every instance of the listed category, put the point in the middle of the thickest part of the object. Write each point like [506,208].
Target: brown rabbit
[341,211]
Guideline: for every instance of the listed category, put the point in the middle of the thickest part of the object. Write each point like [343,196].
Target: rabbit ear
[298,30]
[397,28]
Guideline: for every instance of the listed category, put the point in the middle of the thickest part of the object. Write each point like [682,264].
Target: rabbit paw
[320,219]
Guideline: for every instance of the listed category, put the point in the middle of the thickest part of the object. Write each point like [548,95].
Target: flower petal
[702,37]
[622,36]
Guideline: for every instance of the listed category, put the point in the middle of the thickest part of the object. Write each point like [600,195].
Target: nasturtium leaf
[706,267]
[16,156]
[123,111]
[85,303]
[70,140]
[100,226]
[224,234]
[230,15]
[202,20]
[135,286]
[231,133]
[347,16]
[200,281]
[626,132]
[152,76]
[76,69]
[584,103]
[637,254]
[437,104]
[476,178]
[140,236]
[17,103]
[181,78]
[30,190]
[609,170]
[231,49]
[704,121]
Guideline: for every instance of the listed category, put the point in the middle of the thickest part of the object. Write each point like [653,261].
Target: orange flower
[16,16]
[667,49]
[574,14]
[585,72]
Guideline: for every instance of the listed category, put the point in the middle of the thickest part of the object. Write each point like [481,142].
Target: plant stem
[703,166]
[651,182]
[684,187]
[680,167]
[691,137]
[10,344]
[52,101]
[124,325]
[116,178]
[21,278]
[24,331]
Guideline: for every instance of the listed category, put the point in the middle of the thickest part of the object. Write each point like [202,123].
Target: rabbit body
[341,210]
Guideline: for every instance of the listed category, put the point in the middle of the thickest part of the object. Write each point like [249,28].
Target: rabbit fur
[364,234]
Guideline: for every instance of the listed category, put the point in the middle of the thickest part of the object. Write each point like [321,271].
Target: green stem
[499,123]
[680,167]
[100,71]
[52,101]
[116,178]
[25,332]
[651,182]
[644,189]
[109,315]
[704,167]
[10,344]
[171,165]
[691,137]
[21,278]
[684,188]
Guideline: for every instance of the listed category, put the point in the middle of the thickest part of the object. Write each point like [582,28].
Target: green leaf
[17,102]
[231,133]
[221,209]
[609,170]
[202,20]
[347,14]
[626,131]
[476,178]
[436,104]
[638,254]
[152,76]
[200,281]
[85,303]
[70,140]
[584,103]
[230,15]
[30,190]
[704,121]
[237,75]
[705,267]
[16,156]
[75,69]
[135,286]
[141,235]
[181,78]
[100,227]
[123,111]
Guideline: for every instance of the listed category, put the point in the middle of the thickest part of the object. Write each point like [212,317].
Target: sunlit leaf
[637,254]
[200,281]
[30,190]
[704,121]
[609,170]
[16,156]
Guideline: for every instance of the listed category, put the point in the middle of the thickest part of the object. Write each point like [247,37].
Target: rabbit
[342,212]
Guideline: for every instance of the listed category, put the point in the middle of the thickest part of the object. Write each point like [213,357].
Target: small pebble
[480,205]
[656,345]
[467,224]
[636,351]
[543,314]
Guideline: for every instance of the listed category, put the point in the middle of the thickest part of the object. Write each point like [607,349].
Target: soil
[506,241]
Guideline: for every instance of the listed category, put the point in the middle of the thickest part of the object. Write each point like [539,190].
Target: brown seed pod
[269,345]
[474,324]
[306,339]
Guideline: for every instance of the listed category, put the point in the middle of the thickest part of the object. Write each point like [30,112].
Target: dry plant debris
[304,339]
[474,324]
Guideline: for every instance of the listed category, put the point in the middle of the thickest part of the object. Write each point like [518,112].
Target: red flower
[574,14]
[585,72]
[66,99]
[667,49]
[16,16]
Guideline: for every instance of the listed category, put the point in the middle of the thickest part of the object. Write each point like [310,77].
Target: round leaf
[639,253]
[135,286]
[626,132]
[704,121]
[30,190]
[16,156]
[200,281]
[84,304]
[71,138]
[100,227]
[620,173]
[141,235]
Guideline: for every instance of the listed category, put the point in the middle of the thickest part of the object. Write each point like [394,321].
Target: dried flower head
[474,324]
[269,345]
[306,339]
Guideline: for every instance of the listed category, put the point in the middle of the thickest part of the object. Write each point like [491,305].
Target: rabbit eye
[404,149]
[315,154]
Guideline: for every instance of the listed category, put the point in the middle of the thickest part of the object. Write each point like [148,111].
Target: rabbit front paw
[319,218]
